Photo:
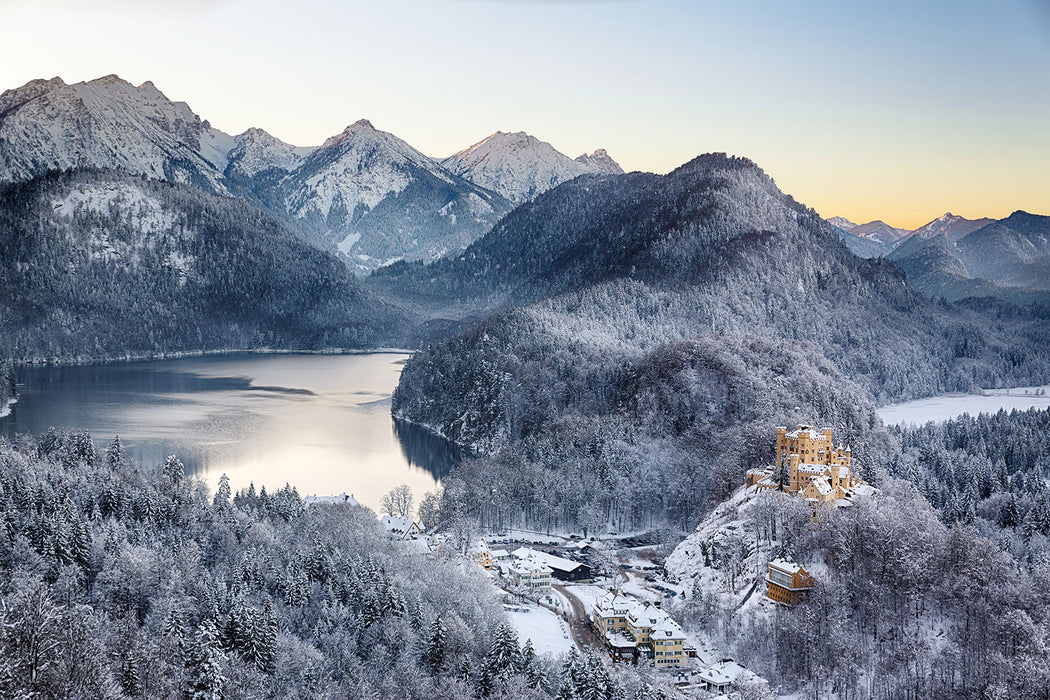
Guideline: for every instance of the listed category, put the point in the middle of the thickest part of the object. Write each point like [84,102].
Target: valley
[595,365]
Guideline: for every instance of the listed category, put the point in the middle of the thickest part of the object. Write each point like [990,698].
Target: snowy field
[941,408]
[548,632]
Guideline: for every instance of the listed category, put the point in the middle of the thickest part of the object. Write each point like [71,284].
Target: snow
[942,408]
[519,166]
[347,244]
[5,410]
[548,632]
[107,122]
[256,151]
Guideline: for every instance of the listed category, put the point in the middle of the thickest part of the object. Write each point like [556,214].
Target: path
[579,625]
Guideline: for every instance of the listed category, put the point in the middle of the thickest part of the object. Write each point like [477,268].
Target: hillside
[102,264]
[666,310]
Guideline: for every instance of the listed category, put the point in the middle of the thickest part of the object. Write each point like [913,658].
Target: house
[634,630]
[564,569]
[479,553]
[401,527]
[530,575]
[787,582]
[720,677]
[500,556]
[809,465]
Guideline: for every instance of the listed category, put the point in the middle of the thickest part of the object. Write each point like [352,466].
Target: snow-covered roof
[530,566]
[500,554]
[728,671]
[613,604]
[822,486]
[400,525]
[786,565]
[548,559]
[810,468]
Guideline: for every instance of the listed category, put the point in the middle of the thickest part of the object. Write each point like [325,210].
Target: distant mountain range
[363,194]
[954,257]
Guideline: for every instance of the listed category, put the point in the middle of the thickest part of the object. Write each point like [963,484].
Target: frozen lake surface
[941,408]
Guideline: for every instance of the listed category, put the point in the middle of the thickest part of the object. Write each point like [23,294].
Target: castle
[809,465]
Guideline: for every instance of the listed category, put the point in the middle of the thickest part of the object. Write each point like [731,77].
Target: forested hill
[702,303]
[99,264]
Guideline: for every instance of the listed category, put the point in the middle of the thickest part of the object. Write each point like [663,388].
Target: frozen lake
[319,422]
[941,408]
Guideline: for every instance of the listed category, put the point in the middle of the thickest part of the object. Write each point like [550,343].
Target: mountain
[950,226]
[373,198]
[879,231]
[101,264]
[1013,251]
[644,335]
[107,123]
[256,152]
[519,166]
[600,162]
[364,194]
[842,223]
[1007,259]
[870,240]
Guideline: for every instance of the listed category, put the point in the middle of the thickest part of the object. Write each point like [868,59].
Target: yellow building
[479,553]
[808,464]
[632,629]
[787,582]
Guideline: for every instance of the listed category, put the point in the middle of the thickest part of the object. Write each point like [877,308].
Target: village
[616,595]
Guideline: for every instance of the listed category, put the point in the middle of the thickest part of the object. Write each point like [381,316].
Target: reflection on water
[426,450]
[319,422]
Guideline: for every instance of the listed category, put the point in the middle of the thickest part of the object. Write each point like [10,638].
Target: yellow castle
[808,464]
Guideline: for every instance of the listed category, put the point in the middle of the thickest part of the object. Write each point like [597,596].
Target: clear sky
[896,110]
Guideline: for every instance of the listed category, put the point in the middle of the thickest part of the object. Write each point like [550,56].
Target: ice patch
[941,408]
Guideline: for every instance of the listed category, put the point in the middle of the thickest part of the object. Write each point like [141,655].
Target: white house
[401,528]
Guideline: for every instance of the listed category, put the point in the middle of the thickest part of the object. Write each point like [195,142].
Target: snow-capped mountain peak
[842,223]
[951,226]
[519,166]
[106,123]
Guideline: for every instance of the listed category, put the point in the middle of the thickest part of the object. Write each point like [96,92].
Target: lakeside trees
[118,583]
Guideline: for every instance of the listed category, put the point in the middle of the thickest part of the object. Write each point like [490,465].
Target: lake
[319,422]
[942,408]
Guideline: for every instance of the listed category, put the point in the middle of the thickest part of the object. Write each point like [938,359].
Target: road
[579,625]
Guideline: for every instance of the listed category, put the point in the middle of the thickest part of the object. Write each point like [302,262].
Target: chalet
[808,464]
[720,677]
[787,582]
[401,527]
[564,569]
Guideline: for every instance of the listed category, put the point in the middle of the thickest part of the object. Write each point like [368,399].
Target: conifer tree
[434,654]
[204,665]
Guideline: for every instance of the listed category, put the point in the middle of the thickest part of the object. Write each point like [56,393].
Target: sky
[892,110]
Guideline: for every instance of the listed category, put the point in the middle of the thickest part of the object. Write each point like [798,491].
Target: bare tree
[398,502]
